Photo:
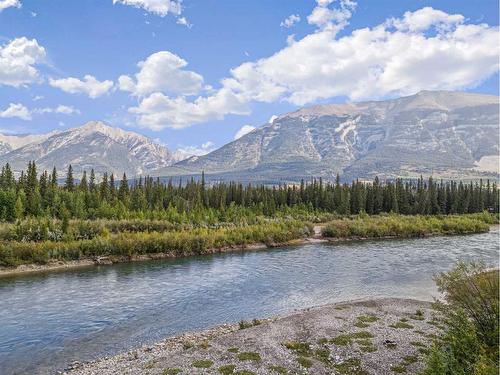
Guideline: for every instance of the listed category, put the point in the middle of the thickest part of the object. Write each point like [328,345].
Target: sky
[196,74]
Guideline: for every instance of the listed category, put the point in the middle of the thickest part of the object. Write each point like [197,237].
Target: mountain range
[446,134]
[93,145]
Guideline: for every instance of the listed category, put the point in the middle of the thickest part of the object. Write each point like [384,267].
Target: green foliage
[202,363]
[176,243]
[248,356]
[227,369]
[300,348]
[469,343]
[405,226]
[38,194]
[304,362]
[171,371]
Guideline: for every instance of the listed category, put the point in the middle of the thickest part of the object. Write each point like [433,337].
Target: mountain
[93,145]
[447,134]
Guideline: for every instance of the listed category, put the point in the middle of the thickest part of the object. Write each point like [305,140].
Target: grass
[398,369]
[202,363]
[351,366]
[419,315]
[171,371]
[347,339]
[364,321]
[122,239]
[322,354]
[401,325]
[304,362]
[300,348]
[243,324]
[249,356]
[418,344]
[278,369]
[204,345]
[187,345]
[227,369]
[233,350]
[196,241]
[409,359]
[363,226]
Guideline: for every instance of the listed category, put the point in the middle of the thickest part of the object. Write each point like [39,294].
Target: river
[50,319]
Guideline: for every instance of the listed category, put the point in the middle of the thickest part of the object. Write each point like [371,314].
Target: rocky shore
[383,336]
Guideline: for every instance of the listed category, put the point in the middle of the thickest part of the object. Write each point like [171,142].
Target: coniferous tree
[69,185]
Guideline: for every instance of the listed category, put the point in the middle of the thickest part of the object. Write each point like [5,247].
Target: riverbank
[384,336]
[28,257]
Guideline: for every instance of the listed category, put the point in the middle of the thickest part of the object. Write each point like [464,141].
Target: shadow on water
[85,313]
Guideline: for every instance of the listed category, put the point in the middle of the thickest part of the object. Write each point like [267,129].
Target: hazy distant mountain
[93,145]
[449,134]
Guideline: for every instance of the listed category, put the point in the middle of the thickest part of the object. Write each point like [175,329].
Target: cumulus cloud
[162,71]
[159,7]
[425,49]
[185,152]
[16,110]
[89,86]
[18,59]
[290,21]
[333,19]
[245,129]
[4,4]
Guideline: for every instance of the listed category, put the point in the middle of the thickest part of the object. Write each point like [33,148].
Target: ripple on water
[85,313]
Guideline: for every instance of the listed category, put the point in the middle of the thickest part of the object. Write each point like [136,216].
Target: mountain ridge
[441,132]
[93,145]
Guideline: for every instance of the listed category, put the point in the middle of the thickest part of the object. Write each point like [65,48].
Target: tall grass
[171,243]
[364,226]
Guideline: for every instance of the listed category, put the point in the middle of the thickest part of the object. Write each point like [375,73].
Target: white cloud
[185,152]
[290,21]
[20,111]
[183,21]
[424,19]
[245,129]
[16,110]
[332,19]
[159,7]
[272,118]
[158,111]
[17,62]
[4,4]
[162,71]
[89,86]
[60,109]
[425,49]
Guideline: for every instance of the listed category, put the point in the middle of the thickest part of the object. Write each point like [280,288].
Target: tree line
[34,194]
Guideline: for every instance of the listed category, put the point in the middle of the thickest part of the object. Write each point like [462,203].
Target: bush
[391,225]
[469,344]
[174,243]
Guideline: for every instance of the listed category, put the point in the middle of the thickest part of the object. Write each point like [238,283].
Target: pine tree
[70,182]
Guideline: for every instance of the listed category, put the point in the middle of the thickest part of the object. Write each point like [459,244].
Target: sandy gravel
[343,338]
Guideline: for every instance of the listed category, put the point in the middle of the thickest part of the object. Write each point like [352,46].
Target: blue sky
[188,94]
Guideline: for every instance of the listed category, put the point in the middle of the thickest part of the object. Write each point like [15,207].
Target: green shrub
[469,343]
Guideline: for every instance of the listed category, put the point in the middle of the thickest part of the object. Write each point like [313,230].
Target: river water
[49,320]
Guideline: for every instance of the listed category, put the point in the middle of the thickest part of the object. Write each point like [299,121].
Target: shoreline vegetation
[27,246]
[47,224]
